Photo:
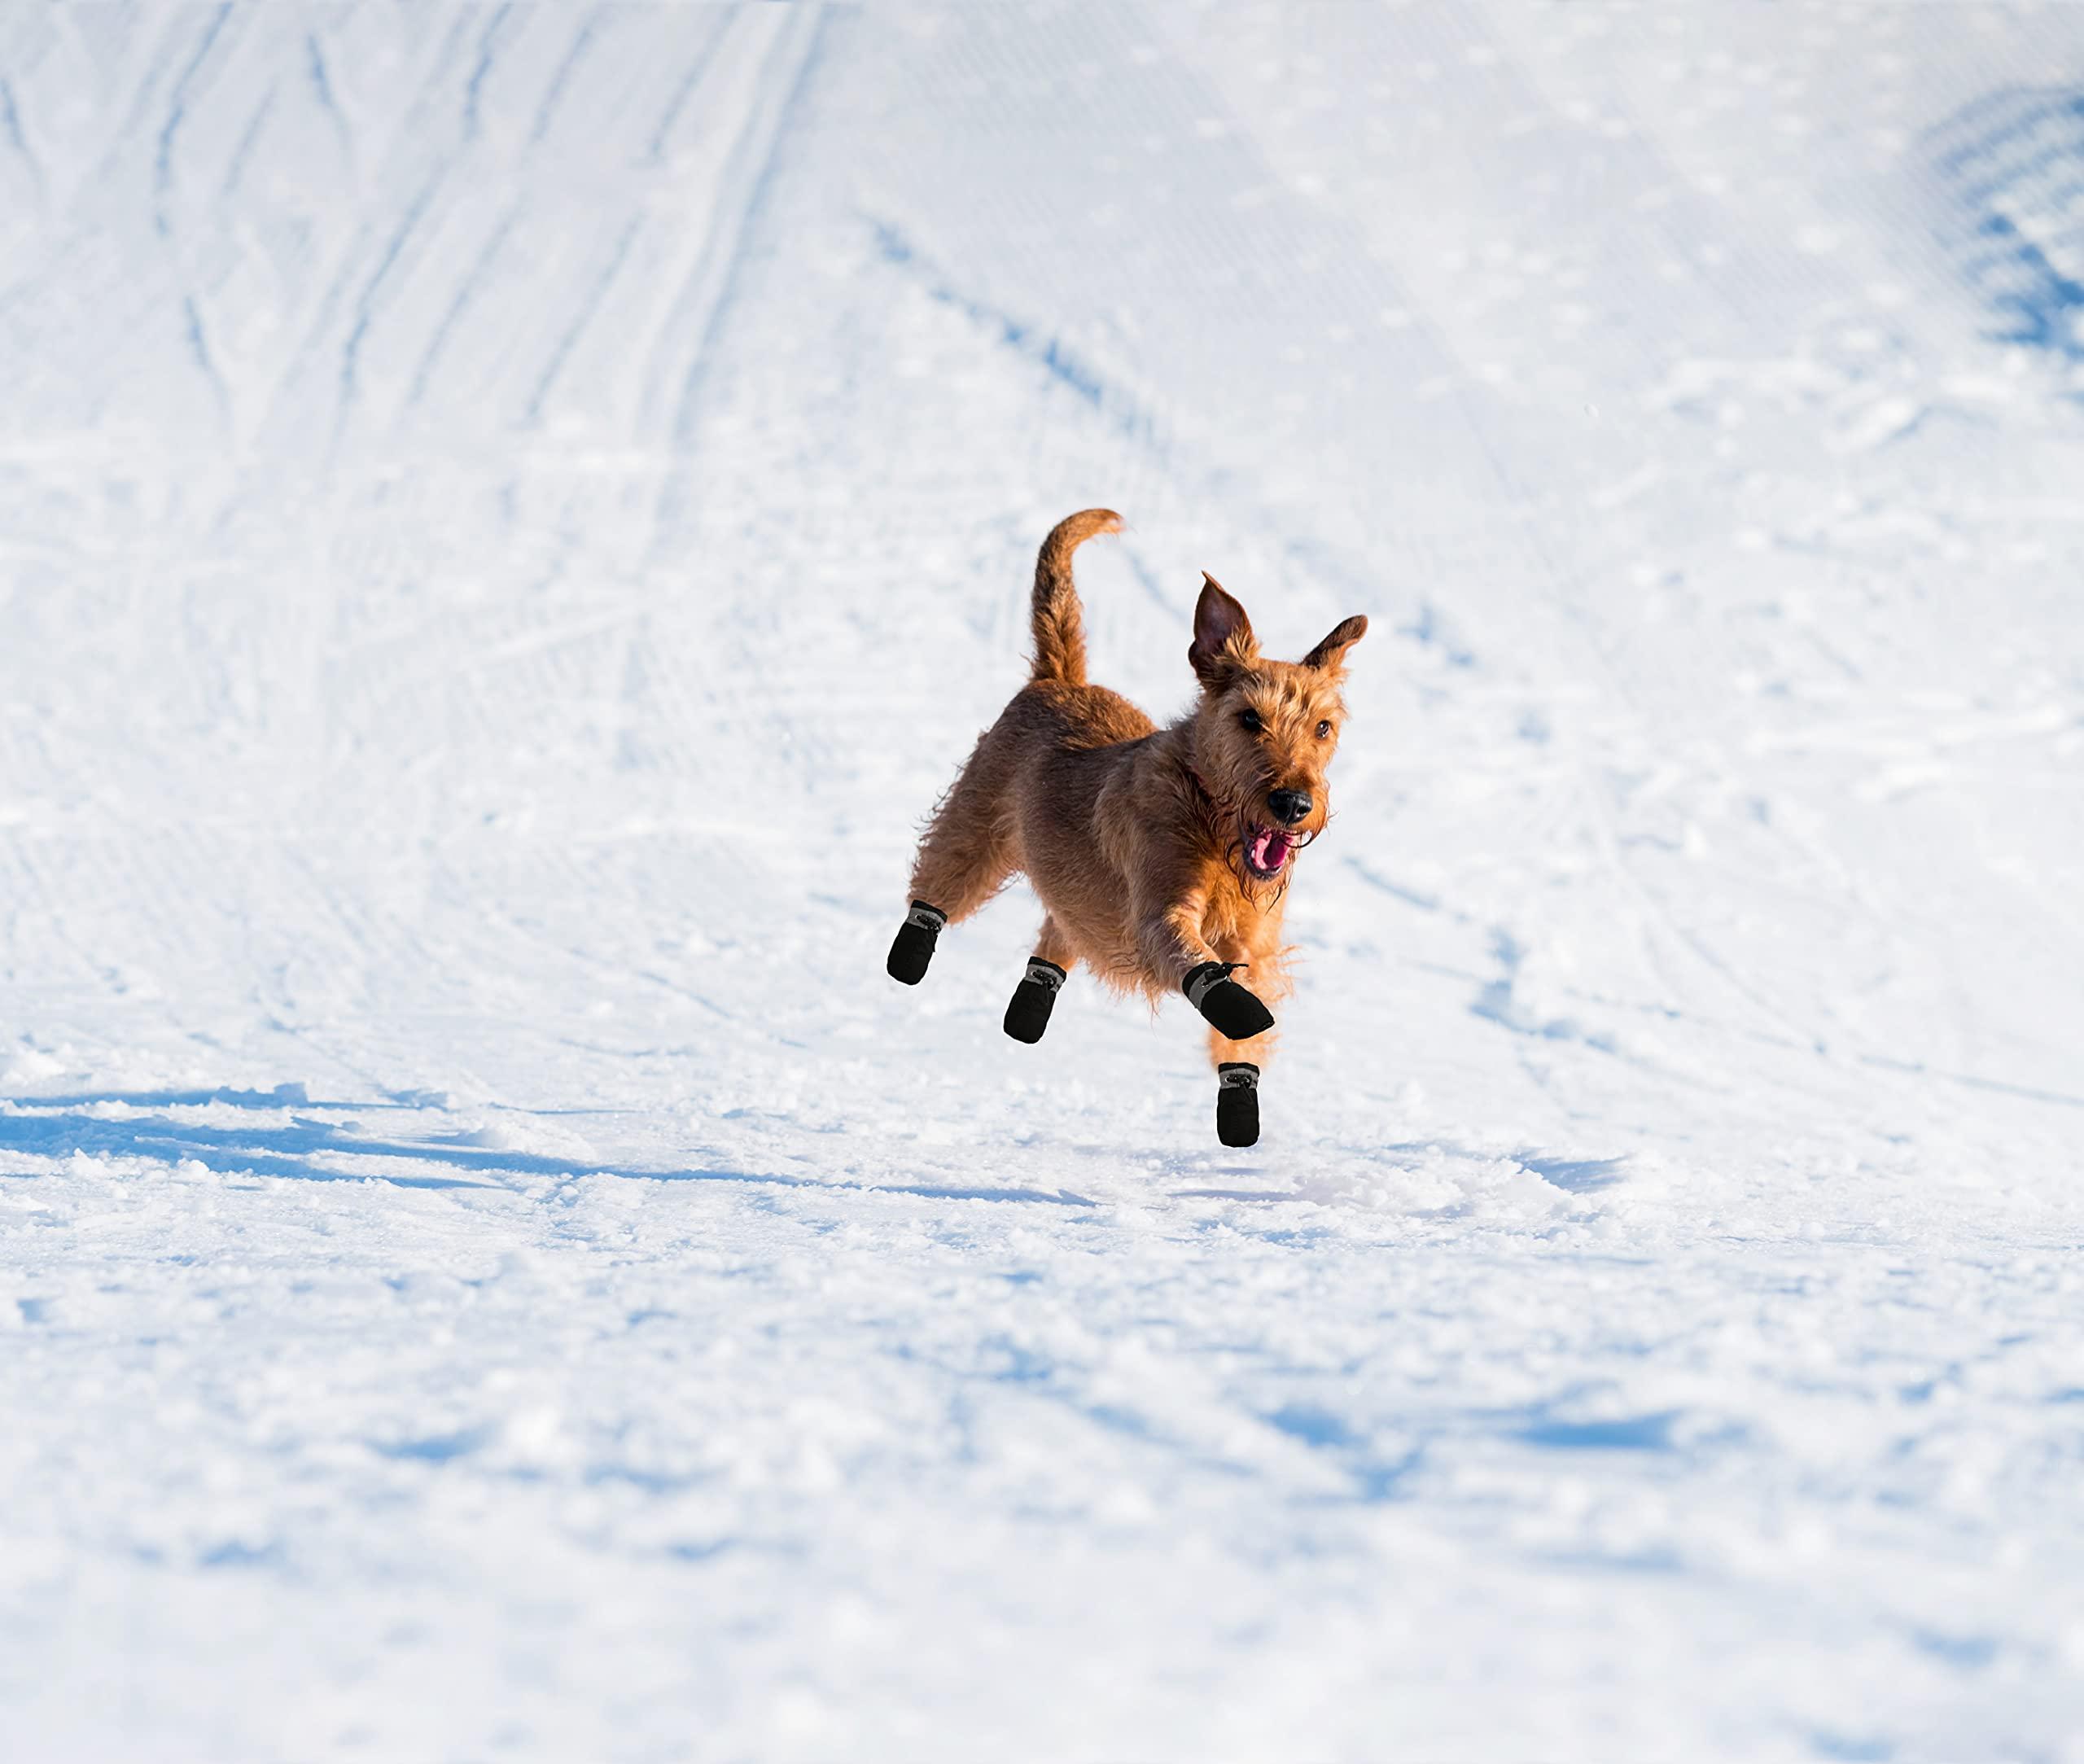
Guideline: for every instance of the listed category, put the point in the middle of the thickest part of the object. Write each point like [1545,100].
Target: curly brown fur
[1154,850]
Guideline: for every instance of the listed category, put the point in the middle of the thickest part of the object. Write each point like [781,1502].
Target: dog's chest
[1233,919]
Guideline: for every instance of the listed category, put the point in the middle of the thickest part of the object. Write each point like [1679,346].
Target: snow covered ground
[508,518]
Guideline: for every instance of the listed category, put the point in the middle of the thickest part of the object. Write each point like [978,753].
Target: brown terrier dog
[1162,857]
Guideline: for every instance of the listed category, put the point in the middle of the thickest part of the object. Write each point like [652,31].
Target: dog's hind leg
[968,852]
[964,860]
[1028,1013]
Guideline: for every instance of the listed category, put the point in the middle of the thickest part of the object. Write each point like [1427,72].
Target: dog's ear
[1223,635]
[1330,655]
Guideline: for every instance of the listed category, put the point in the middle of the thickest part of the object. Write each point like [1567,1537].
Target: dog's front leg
[1180,955]
[1238,1064]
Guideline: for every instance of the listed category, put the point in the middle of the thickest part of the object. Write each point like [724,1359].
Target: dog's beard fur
[1264,890]
[1231,827]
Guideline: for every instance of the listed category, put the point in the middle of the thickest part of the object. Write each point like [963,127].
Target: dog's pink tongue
[1270,849]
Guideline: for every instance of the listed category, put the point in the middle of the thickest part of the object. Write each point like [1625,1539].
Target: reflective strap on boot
[1196,986]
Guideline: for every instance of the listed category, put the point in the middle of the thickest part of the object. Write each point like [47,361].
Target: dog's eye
[1250,720]
[1324,731]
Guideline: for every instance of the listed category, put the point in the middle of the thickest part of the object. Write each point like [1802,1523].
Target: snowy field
[508,518]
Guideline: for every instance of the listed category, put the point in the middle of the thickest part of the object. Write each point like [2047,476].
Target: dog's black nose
[1290,805]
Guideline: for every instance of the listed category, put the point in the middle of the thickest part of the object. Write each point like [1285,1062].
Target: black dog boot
[1028,1013]
[1234,1011]
[913,946]
[1238,1103]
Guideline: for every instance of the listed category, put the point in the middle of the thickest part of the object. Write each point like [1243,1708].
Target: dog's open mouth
[1268,850]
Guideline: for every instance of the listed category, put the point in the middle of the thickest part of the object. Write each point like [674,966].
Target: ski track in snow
[508,518]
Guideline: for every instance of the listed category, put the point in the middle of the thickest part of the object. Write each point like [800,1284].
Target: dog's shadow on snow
[310,1149]
[313,1150]
[305,1150]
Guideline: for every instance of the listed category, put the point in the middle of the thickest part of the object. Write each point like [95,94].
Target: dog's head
[1265,731]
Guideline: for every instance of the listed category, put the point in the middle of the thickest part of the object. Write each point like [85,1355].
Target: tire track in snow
[235,170]
[697,71]
[562,77]
[11,121]
[474,86]
[1041,344]
[532,414]
[192,322]
[349,246]
[364,313]
[467,291]
[176,114]
[746,186]
[322,85]
[421,239]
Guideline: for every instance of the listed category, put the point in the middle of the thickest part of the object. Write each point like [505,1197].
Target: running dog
[1161,855]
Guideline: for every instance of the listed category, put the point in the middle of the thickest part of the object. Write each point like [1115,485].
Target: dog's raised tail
[1059,626]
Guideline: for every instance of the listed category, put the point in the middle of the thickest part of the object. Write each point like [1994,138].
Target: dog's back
[1076,751]
[1032,797]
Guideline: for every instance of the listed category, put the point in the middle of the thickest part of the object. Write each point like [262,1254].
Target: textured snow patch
[1452,1183]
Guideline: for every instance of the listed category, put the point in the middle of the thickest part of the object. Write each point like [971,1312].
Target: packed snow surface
[510,516]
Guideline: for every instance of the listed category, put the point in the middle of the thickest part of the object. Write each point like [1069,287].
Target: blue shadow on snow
[294,1151]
